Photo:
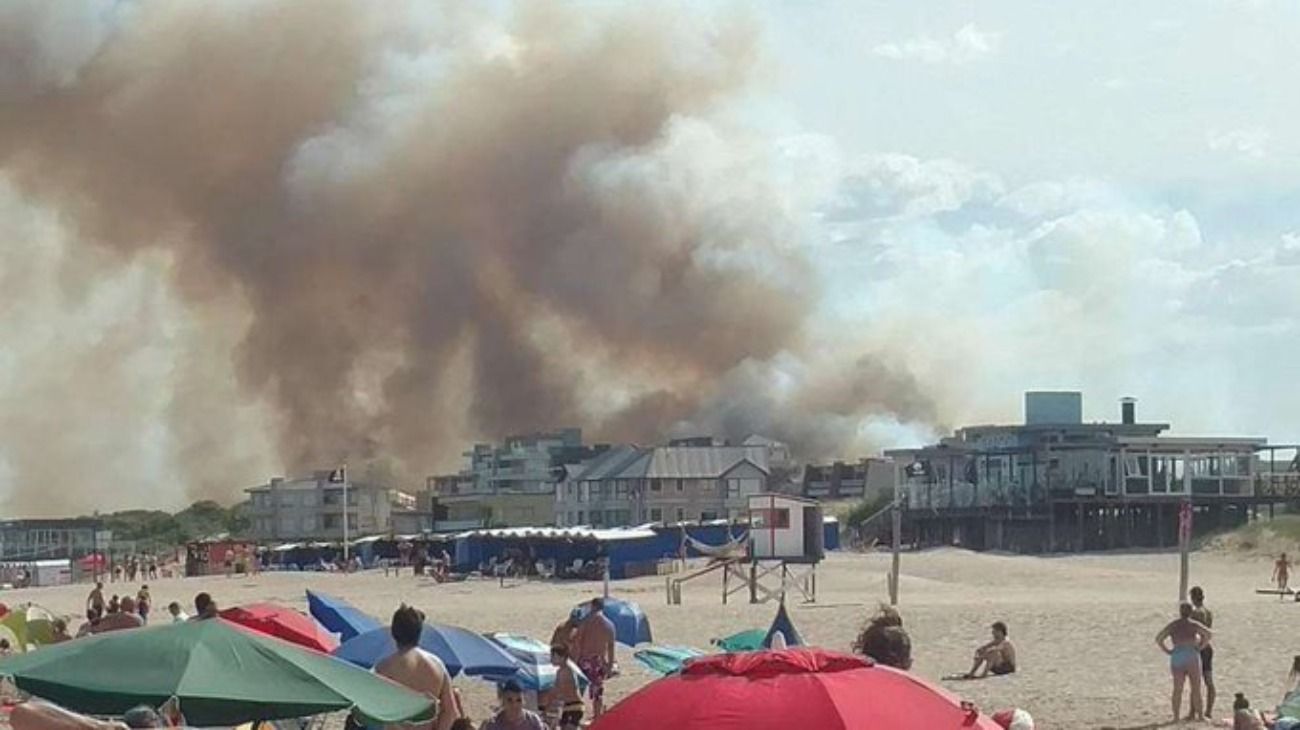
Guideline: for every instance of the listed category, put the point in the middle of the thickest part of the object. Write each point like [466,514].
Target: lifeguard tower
[780,553]
[785,545]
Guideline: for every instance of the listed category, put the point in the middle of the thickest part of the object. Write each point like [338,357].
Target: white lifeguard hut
[786,542]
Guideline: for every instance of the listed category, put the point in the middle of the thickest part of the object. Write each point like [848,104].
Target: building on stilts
[1056,483]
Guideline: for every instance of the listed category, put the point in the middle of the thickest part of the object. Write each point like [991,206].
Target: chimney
[1128,411]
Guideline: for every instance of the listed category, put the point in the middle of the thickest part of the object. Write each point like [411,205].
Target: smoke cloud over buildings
[257,236]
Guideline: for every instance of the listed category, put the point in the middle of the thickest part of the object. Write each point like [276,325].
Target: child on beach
[1244,718]
[566,693]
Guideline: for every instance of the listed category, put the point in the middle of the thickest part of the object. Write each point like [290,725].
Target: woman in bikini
[1186,637]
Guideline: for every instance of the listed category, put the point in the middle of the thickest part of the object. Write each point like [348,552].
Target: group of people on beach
[129,568]
[585,637]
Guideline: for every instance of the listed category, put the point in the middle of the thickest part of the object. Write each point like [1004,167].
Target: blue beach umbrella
[631,627]
[783,624]
[536,672]
[462,650]
[340,617]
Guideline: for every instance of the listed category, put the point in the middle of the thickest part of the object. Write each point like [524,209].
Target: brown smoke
[379,202]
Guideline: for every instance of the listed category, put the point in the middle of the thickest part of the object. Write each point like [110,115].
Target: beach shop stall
[208,556]
[568,552]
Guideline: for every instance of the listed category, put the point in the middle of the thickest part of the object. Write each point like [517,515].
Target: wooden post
[897,517]
[1184,545]
[753,582]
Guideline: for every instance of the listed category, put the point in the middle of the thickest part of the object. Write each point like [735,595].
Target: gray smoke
[413,227]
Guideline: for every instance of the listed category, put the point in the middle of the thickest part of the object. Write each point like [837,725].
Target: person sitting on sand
[1187,636]
[1244,718]
[59,631]
[178,616]
[513,715]
[1282,573]
[126,618]
[885,641]
[998,656]
[204,608]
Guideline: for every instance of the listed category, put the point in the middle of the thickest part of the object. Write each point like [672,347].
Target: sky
[1100,196]
[990,197]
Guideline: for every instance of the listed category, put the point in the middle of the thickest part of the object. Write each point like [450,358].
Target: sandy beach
[1083,625]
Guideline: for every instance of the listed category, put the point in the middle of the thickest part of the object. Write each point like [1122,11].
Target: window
[681,515]
[656,485]
[681,487]
[708,516]
[286,499]
[656,514]
[622,488]
[740,487]
[582,517]
[332,522]
[771,519]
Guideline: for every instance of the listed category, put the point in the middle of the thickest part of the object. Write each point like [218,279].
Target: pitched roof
[670,462]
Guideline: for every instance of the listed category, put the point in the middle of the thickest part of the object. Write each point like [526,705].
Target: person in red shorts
[594,647]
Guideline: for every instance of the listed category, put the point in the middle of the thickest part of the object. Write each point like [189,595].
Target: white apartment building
[311,508]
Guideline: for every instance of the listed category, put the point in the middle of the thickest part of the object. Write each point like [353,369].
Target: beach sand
[1083,625]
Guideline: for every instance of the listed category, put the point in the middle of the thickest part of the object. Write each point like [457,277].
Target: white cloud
[1249,143]
[968,44]
[1074,282]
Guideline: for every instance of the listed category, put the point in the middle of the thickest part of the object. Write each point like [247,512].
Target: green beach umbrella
[221,675]
[751,640]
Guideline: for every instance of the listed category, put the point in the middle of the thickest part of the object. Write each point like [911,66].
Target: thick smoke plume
[417,227]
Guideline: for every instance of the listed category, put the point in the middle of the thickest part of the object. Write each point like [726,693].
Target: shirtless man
[418,670]
[95,601]
[1282,574]
[125,618]
[1186,637]
[1205,617]
[997,656]
[594,647]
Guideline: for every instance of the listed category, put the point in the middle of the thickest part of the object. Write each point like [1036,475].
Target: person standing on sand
[566,693]
[594,646]
[143,602]
[418,670]
[1204,616]
[563,634]
[1282,574]
[1186,637]
[95,601]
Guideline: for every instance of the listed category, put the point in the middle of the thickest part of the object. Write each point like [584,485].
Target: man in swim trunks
[1205,617]
[1186,636]
[594,646]
[997,656]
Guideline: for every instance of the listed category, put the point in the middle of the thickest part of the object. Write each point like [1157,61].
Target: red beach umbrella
[282,623]
[792,688]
